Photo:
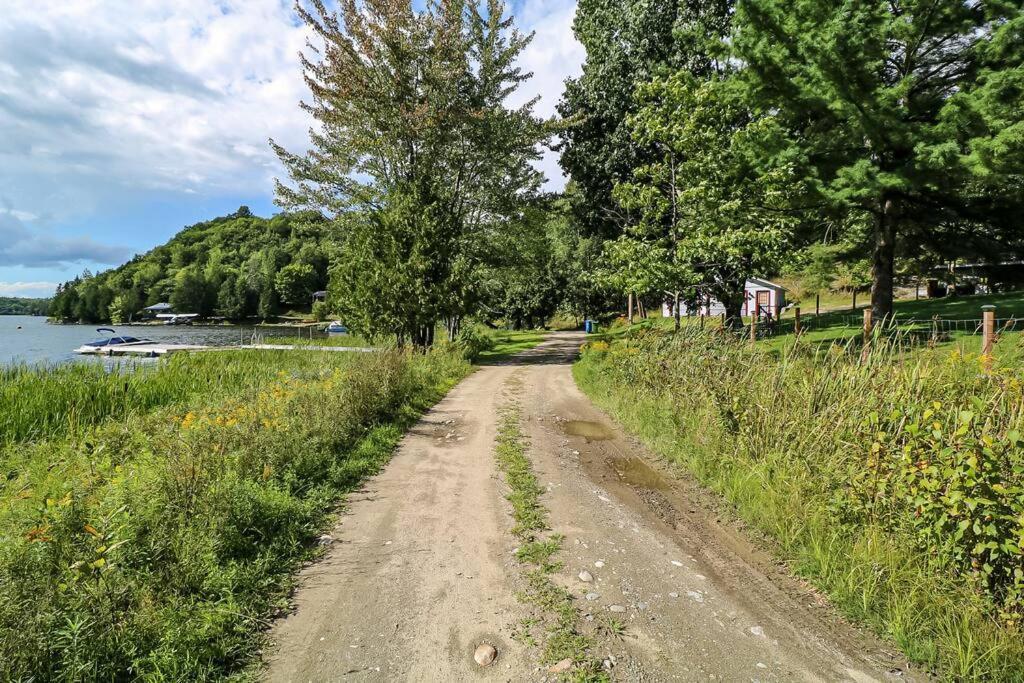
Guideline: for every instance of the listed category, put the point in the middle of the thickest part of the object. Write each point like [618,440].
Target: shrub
[472,341]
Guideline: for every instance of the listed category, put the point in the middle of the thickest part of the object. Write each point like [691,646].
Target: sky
[123,121]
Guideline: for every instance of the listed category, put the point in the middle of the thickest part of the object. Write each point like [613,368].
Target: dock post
[868,326]
[796,324]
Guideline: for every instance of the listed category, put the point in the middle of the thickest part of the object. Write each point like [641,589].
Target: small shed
[157,309]
[320,296]
[766,297]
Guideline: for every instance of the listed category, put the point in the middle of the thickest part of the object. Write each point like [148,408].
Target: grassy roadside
[155,545]
[507,343]
[913,529]
[557,620]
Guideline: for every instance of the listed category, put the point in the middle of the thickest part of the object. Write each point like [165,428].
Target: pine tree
[905,111]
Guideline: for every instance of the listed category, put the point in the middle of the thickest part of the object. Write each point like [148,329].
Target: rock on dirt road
[420,573]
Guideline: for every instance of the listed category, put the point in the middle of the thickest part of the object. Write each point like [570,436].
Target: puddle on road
[591,431]
[636,472]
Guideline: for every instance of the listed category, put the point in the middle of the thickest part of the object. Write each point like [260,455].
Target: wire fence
[935,327]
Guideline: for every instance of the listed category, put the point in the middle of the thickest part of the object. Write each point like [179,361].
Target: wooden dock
[283,347]
[156,350]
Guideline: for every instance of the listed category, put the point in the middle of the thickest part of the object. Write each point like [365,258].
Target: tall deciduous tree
[628,42]
[417,154]
[708,202]
[906,110]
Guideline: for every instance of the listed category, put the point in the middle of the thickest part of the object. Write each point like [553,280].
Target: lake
[27,339]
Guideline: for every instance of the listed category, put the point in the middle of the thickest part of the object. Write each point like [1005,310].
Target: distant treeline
[19,306]
[236,267]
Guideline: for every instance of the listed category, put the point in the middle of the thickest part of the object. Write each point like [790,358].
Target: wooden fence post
[867,326]
[988,332]
[796,325]
[753,327]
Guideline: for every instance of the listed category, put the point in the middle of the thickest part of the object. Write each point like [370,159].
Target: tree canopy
[418,159]
[908,113]
[23,306]
[628,43]
[225,267]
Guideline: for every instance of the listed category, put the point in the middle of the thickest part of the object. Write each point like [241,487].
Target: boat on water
[337,327]
[110,342]
[177,318]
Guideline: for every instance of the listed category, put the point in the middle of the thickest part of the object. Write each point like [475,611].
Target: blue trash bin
[588,326]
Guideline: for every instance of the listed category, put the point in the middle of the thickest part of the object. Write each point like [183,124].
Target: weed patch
[558,616]
[157,545]
[891,480]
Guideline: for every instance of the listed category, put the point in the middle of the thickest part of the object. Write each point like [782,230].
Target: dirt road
[421,567]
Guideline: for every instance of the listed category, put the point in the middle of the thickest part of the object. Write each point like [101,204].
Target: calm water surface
[27,339]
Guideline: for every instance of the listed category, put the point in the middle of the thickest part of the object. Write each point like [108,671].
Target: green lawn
[960,316]
[510,342]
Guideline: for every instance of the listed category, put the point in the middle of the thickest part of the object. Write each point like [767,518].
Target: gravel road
[420,569]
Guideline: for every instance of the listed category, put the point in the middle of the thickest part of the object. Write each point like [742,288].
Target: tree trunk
[733,303]
[630,305]
[883,262]
[677,310]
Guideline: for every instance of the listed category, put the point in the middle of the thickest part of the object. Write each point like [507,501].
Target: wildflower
[188,420]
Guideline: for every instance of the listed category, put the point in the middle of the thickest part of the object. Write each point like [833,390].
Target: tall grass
[893,480]
[45,402]
[155,546]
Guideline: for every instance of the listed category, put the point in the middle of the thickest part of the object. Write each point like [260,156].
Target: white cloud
[114,97]
[31,290]
[553,56]
[24,246]
[108,101]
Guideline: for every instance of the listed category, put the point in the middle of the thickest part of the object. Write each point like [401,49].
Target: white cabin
[766,297]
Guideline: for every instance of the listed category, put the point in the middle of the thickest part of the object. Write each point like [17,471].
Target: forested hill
[18,306]
[238,266]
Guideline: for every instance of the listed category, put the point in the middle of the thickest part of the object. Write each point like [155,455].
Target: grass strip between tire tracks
[557,617]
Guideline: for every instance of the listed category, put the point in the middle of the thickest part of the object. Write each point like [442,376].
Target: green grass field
[960,318]
[508,343]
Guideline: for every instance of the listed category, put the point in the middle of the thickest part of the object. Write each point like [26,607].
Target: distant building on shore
[157,309]
[766,297]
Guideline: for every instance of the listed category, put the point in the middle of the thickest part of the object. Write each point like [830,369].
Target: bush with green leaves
[474,340]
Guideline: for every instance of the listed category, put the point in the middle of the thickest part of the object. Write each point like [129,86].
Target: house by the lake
[157,309]
[763,296]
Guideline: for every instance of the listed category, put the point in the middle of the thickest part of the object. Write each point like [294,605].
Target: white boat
[177,318]
[337,327]
[111,342]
